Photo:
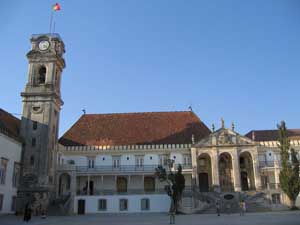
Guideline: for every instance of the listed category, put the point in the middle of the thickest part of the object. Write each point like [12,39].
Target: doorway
[81,207]
[203,182]
[244,181]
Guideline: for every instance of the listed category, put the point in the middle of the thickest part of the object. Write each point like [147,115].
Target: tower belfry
[41,107]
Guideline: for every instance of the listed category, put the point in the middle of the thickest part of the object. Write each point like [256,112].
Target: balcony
[264,164]
[113,169]
[128,192]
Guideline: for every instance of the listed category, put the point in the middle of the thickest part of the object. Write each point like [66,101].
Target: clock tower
[40,119]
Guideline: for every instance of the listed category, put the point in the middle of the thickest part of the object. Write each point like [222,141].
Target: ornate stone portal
[229,164]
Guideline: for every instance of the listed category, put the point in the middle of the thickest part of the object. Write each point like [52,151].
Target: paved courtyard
[270,218]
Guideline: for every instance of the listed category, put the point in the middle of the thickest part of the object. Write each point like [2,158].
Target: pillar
[236,170]
[88,185]
[276,173]
[215,169]
[195,181]
[257,176]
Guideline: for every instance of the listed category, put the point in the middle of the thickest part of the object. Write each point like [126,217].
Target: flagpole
[51,18]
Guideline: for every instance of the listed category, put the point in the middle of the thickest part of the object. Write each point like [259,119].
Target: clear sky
[233,59]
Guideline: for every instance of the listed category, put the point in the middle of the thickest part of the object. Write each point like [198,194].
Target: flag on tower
[56,7]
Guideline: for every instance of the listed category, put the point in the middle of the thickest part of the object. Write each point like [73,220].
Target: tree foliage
[289,174]
[175,182]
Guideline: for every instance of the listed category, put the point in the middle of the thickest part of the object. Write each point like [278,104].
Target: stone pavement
[269,218]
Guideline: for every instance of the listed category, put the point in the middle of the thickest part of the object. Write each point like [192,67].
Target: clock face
[44,45]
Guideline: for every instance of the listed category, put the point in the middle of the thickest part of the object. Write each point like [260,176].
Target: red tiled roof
[272,135]
[9,125]
[135,128]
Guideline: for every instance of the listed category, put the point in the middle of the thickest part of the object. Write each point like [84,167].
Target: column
[257,177]
[88,185]
[276,173]
[73,184]
[195,181]
[236,170]
[215,169]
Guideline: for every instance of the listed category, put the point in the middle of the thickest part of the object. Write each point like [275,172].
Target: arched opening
[121,184]
[225,172]
[204,172]
[42,75]
[64,184]
[149,184]
[247,175]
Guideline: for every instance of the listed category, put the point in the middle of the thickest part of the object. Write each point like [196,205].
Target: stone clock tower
[39,127]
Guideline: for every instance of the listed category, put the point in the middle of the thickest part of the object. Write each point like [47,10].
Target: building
[10,159]
[106,162]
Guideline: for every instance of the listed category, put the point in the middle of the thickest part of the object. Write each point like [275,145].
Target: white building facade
[10,158]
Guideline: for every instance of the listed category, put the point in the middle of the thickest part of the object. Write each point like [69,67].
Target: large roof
[272,135]
[9,125]
[135,129]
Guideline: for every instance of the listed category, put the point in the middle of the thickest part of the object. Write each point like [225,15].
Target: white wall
[11,150]
[177,157]
[158,203]
[151,159]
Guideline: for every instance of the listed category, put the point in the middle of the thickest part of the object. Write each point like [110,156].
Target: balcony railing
[127,192]
[117,169]
[266,164]
[271,186]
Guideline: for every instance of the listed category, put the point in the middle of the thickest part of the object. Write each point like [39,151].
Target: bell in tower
[39,125]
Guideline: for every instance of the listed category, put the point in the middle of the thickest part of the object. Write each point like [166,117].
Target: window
[123,204]
[34,125]
[91,163]
[1,201]
[3,168]
[16,174]
[13,203]
[187,160]
[33,142]
[102,204]
[145,204]
[42,75]
[163,160]
[116,162]
[139,161]
[276,198]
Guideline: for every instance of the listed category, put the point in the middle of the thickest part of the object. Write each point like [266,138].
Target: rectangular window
[102,204]
[276,198]
[145,204]
[34,125]
[139,161]
[3,168]
[13,203]
[116,162]
[187,160]
[16,174]
[1,201]
[33,142]
[123,204]
[163,160]
[91,163]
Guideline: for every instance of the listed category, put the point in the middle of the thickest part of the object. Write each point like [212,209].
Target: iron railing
[111,168]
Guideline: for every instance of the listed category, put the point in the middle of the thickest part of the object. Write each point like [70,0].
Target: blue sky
[233,59]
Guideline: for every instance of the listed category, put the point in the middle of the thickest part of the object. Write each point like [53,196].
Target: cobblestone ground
[270,218]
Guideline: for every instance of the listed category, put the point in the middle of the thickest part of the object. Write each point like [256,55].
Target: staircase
[60,206]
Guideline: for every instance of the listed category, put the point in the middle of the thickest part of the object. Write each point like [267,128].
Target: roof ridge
[124,113]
